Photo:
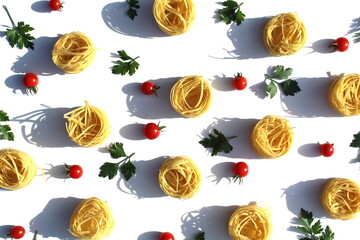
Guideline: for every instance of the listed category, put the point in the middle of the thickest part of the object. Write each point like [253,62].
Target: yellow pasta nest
[73,52]
[191,96]
[179,177]
[87,126]
[174,17]
[341,198]
[284,34]
[250,222]
[344,95]
[91,220]
[17,169]
[272,137]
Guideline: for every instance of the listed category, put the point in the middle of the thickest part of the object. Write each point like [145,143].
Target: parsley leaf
[3,116]
[133,5]
[218,143]
[6,133]
[200,236]
[127,64]
[356,141]
[289,87]
[231,12]
[312,231]
[110,170]
[19,35]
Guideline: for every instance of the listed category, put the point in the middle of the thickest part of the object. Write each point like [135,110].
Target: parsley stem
[12,22]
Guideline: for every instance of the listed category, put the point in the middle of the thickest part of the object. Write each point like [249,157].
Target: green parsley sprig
[5,130]
[218,143]
[356,141]
[311,230]
[127,168]
[200,236]
[289,87]
[19,34]
[231,12]
[127,64]
[133,5]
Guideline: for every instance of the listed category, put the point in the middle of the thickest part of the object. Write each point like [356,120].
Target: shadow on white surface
[212,220]
[143,25]
[150,106]
[355,29]
[145,182]
[149,235]
[41,7]
[222,83]
[221,172]
[5,229]
[310,150]
[58,172]
[132,131]
[54,219]
[16,84]
[241,128]
[40,126]
[306,195]
[38,61]
[322,46]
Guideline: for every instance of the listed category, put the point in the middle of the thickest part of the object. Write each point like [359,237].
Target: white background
[211,49]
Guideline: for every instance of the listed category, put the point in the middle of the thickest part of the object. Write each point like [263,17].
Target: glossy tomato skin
[166,236]
[341,44]
[55,5]
[30,80]
[327,149]
[151,131]
[149,88]
[241,169]
[239,82]
[75,171]
[17,232]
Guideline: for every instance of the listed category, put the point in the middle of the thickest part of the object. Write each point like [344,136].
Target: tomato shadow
[309,150]
[58,172]
[144,25]
[222,171]
[16,84]
[5,229]
[322,46]
[312,101]
[355,29]
[54,219]
[41,7]
[149,106]
[132,131]
[222,83]
[247,39]
[149,235]
[45,127]
[241,128]
[213,220]
[306,195]
[144,184]
[40,60]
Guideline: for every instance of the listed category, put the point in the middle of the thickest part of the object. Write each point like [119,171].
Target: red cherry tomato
[152,130]
[166,236]
[17,232]
[55,5]
[240,170]
[239,82]
[149,88]
[327,149]
[31,81]
[341,44]
[74,171]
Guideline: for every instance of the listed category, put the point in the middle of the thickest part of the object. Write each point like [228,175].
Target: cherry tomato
[327,149]
[239,82]
[152,130]
[166,236]
[55,5]
[341,44]
[74,171]
[17,232]
[149,88]
[31,81]
[240,170]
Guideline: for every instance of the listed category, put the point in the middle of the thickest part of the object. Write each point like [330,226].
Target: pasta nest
[87,126]
[174,17]
[92,219]
[272,137]
[341,198]
[17,169]
[344,95]
[250,222]
[284,34]
[179,177]
[73,52]
[191,96]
